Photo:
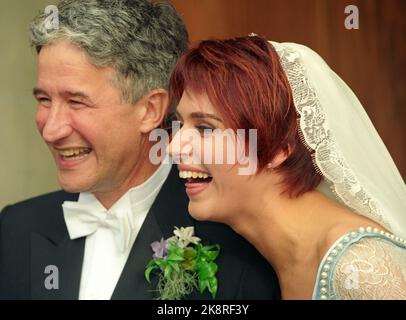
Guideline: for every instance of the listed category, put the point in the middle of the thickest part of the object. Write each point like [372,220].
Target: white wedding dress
[358,172]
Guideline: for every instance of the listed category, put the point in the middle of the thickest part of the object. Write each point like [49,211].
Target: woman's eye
[204,129]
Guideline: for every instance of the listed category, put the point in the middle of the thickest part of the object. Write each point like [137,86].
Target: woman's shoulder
[367,263]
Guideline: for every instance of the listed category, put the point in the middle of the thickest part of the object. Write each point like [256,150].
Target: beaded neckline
[324,287]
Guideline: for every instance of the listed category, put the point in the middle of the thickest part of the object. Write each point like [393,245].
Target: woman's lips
[194,188]
[196,179]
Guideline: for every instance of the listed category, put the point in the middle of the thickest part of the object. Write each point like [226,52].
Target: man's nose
[57,125]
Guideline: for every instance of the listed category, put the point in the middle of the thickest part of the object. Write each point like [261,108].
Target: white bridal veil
[348,151]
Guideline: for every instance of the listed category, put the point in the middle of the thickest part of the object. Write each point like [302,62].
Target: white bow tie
[83,220]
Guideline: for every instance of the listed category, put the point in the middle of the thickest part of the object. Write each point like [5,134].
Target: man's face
[92,134]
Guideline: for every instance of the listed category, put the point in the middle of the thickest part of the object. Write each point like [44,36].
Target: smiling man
[96,137]
[100,91]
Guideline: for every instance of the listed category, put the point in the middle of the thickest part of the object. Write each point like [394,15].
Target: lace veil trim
[319,139]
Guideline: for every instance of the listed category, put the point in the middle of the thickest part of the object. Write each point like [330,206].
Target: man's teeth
[193,174]
[74,153]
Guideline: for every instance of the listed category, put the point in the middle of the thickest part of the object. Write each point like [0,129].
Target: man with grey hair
[101,89]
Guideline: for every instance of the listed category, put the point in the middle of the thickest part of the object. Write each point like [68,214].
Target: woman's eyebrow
[201,115]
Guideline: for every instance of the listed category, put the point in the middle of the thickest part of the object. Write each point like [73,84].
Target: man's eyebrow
[202,115]
[75,94]
[36,91]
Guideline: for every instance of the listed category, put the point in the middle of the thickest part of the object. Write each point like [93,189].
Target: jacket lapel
[56,260]
[56,268]
[132,283]
[169,210]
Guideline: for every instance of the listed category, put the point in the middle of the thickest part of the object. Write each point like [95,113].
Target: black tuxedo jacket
[33,235]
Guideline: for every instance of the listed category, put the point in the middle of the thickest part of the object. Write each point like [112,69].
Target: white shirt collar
[138,199]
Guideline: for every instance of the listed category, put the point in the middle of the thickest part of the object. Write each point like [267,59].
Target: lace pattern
[373,268]
[318,137]
[363,265]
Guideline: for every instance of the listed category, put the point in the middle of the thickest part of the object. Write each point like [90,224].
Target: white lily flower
[186,236]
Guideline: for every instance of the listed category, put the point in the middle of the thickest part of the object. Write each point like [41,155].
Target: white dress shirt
[103,260]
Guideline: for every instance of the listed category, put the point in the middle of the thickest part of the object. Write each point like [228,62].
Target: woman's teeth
[193,175]
[74,154]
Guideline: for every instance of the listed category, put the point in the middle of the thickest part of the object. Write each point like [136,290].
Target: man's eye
[76,104]
[44,101]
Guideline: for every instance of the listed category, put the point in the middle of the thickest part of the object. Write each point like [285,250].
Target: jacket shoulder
[46,207]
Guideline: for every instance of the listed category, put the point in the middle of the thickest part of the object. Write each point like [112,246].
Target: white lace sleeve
[371,269]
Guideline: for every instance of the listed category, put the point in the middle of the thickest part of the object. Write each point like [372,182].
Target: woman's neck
[290,233]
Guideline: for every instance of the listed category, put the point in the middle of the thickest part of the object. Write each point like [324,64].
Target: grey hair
[139,39]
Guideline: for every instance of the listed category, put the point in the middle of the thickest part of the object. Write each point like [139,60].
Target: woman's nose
[180,148]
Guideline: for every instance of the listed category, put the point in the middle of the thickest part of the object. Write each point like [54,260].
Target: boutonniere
[183,264]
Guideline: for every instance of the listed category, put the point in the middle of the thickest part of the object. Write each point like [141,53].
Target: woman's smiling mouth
[196,181]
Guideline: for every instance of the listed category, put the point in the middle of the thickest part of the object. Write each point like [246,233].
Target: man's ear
[156,103]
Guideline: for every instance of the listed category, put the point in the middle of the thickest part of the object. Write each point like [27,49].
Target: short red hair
[244,80]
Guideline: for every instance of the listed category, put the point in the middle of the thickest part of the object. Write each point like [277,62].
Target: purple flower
[160,249]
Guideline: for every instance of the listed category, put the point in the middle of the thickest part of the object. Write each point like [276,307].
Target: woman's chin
[200,212]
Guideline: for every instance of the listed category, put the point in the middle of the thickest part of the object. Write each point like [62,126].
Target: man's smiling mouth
[74,153]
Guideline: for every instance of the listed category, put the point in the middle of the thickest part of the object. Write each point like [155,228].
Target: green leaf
[203,284]
[175,249]
[206,270]
[176,267]
[213,286]
[161,263]
[213,267]
[175,257]
[175,253]
[211,255]
[210,252]
[167,272]
[148,272]
[214,247]
[150,264]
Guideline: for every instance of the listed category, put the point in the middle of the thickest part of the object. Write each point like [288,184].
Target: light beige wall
[26,166]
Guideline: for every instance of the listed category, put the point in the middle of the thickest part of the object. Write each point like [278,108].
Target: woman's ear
[280,157]
[156,103]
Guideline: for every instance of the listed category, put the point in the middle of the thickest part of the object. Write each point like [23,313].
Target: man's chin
[74,181]
[73,187]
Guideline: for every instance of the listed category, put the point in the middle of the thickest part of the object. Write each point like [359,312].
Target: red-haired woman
[325,197]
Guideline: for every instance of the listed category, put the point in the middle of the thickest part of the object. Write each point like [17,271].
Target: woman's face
[207,156]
